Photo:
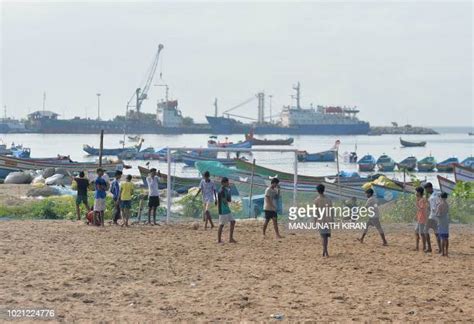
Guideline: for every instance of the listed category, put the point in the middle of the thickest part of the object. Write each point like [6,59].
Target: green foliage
[461,203]
[402,210]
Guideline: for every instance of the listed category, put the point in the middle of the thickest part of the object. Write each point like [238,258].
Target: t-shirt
[224,198]
[127,191]
[434,201]
[324,204]
[421,210]
[100,188]
[273,195]
[208,189]
[82,185]
[115,189]
[153,186]
[373,204]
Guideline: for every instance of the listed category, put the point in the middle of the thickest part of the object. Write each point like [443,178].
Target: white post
[338,176]
[168,185]
[295,177]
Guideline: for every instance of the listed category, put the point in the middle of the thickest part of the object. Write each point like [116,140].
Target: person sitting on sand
[324,205]
[100,194]
[421,217]
[126,193]
[225,214]
[374,220]
[115,190]
[270,206]
[443,223]
[209,196]
[82,185]
[153,194]
[432,222]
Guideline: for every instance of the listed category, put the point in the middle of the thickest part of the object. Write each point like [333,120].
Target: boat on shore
[468,162]
[407,164]
[325,156]
[367,163]
[428,164]
[385,163]
[446,185]
[463,174]
[179,184]
[115,151]
[447,165]
[412,144]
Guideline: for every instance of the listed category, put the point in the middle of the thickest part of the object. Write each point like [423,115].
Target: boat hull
[326,156]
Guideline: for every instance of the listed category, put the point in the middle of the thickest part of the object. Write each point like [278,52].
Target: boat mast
[215,107]
[261,107]
[298,95]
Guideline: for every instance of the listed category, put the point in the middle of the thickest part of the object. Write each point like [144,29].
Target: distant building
[43,114]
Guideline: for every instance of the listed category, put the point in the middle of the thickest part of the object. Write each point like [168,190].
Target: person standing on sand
[432,222]
[324,206]
[225,214]
[372,204]
[421,217]
[270,206]
[100,195]
[153,181]
[82,186]
[443,223]
[209,196]
[126,193]
[115,190]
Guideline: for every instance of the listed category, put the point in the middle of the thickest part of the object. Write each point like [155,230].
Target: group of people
[122,194]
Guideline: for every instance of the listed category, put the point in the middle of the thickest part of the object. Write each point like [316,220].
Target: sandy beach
[175,273]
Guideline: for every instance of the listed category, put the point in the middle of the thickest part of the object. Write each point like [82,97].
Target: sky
[408,62]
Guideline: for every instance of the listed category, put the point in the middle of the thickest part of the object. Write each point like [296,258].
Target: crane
[141,94]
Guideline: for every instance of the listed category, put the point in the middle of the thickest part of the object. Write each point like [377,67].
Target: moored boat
[468,162]
[135,138]
[366,163]
[446,185]
[411,144]
[407,164]
[325,156]
[385,163]
[447,165]
[213,143]
[190,160]
[463,174]
[427,164]
[115,151]
[257,141]
[179,184]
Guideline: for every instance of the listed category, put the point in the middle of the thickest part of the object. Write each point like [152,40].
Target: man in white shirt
[209,197]
[434,201]
[153,194]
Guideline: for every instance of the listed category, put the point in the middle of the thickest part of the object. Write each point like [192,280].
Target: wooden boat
[447,165]
[463,174]
[446,185]
[179,184]
[325,156]
[256,141]
[212,142]
[115,151]
[408,164]
[388,193]
[366,163]
[468,162]
[189,160]
[427,164]
[11,164]
[385,163]
[411,144]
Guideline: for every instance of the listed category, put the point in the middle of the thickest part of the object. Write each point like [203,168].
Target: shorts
[224,219]
[431,224]
[375,222]
[126,204]
[81,199]
[269,214]
[444,236]
[325,233]
[208,200]
[99,205]
[420,228]
[153,202]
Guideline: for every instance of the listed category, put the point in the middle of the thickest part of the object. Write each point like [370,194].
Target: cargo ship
[295,120]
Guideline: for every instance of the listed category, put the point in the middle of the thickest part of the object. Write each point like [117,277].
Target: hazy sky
[397,61]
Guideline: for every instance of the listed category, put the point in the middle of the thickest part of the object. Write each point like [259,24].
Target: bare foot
[232,241]
[360,240]
[280,237]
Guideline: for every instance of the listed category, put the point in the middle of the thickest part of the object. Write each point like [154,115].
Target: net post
[168,185]
[295,177]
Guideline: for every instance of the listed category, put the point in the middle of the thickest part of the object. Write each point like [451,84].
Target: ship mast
[215,107]
[298,95]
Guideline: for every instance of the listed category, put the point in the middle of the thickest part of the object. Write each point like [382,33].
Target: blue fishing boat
[366,163]
[447,165]
[385,163]
[325,156]
[212,142]
[427,164]
[189,160]
[388,194]
[468,162]
[21,152]
[115,151]
[408,164]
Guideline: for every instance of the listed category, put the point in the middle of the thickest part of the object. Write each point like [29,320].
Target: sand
[174,273]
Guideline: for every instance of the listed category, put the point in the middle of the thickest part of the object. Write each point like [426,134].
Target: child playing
[100,194]
[270,206]
[126,192]
[421,217]
[209,196]
[225,214]
[372,204]
[324,205]
[443,223]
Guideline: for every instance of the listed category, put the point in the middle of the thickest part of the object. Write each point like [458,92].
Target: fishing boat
[389,193]
[468,162]
[115,151]
[190,160]
[427,164]
[213,142]
[446,185]
[12,164]
[463,174]
[447,165]
[325,156]
[411,144]
[179,184]
[255,141]
[385,163]
[408,164]
[135,138]
[470,133]
[367,163]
